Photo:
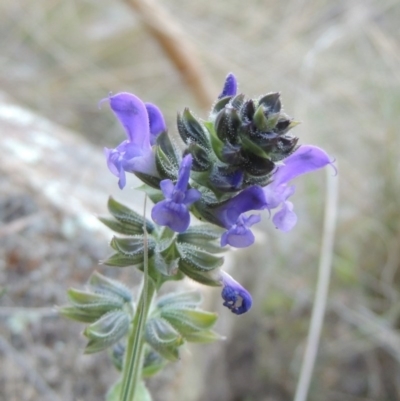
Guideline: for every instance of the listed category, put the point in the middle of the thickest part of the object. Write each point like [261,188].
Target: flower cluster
[242,159]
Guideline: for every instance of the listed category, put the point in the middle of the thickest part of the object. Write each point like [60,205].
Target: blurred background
[337,66]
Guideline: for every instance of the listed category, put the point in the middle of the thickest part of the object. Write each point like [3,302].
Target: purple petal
[251,198]
[122,178]
[167,188]
[115,165]
[156,120]
[192,195]
[236,297]
[249,221]
[132,114]
[230,86]
[113,161]
[285,219]
[275,195]
[184,173]
[171,214]
[306,159]
[238,237]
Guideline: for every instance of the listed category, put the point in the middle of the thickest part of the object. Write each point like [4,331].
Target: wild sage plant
[242,159]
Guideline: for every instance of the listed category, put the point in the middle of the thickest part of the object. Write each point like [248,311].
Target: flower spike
[236,297]
[230,86]
[142,124]
[173,211]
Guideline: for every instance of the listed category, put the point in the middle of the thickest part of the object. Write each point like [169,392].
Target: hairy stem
[132,369]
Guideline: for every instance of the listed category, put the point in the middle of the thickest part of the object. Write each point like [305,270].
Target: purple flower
[239,234]
[173,211]
[156,121]
[142,123]
[230,86]
[231,216]
[304,160]
[236,298]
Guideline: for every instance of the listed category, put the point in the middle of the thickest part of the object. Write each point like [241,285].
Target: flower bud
[227,125]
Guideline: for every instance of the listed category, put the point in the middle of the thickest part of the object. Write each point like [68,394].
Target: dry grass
[337,65]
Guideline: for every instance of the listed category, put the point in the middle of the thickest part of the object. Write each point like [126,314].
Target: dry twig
[172,39]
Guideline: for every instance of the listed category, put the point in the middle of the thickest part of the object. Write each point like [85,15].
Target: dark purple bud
[226,179]
[236,297]
[271,102]
[230,86]
[227,125]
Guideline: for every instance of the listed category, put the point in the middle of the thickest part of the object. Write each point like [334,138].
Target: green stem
[133,364]
[134,351]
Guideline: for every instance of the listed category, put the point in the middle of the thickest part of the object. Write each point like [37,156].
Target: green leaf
[104,302]
[207,336]
[132,246]
[166,266]
[216,144]
[161,336]
[188,321]
[251,147]
[201,157]
[105,285]
[259,119]
[219,105]
[164,142]
[211,247]
[227,125]
[260,166]
[167,167]
[121,227]
[128,216]
[192,130]
[118,260]
[206,232]
[271,102]
[150,180]
[106,331]
[117,353]
[78,314]
[237,101]
[142,394]
[201,277]
[260,181]
[155,195]
[187,299]
[153,363]
[197,258]
[272,121]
